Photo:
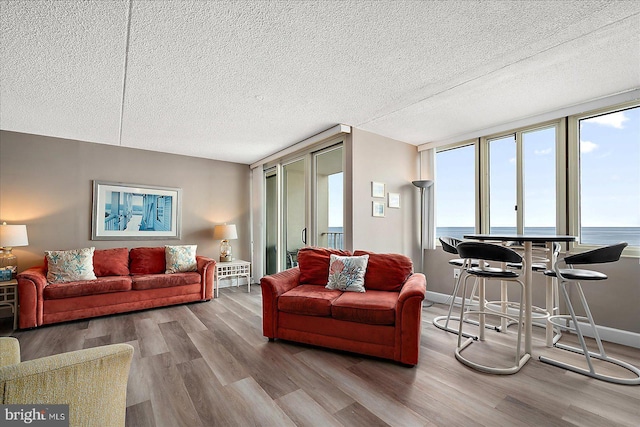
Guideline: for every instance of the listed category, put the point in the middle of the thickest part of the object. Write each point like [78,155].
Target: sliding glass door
[271,221]
[328,190]
[294,218]
[303,206]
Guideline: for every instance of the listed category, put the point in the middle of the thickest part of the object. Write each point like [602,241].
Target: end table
[237,269]
[9,297]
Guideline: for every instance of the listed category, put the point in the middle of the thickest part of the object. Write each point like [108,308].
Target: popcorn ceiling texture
[240,80]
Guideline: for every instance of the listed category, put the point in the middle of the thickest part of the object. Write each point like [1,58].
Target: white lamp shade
[13,235]
[225,232]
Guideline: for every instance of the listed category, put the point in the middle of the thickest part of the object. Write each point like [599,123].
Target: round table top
[522,237]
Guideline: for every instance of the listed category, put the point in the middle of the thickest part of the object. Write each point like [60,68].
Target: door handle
[304,235]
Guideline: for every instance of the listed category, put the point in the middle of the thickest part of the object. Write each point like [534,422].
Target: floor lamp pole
[422,229]
[423,185]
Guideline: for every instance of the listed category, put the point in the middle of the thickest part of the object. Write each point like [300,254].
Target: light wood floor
[207,364]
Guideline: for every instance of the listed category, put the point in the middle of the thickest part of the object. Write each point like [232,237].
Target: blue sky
[610,177]
[335,199]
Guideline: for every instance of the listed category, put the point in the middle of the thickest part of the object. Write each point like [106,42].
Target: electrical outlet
[456,273]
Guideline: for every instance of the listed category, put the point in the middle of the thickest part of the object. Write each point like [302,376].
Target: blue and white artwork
[135,212]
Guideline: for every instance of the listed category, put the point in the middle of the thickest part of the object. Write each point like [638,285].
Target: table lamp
[10,237]
[225,233]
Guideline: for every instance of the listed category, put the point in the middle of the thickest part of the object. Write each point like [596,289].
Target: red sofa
[384,321]
[127,280]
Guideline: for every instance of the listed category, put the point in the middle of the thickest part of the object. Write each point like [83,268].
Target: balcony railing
[335,240]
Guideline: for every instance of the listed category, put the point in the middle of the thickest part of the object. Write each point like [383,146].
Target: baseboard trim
[612,335]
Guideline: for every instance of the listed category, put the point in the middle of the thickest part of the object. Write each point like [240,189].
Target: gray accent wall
[46,183]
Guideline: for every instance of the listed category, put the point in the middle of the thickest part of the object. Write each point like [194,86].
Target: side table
[9,297]
[237,269]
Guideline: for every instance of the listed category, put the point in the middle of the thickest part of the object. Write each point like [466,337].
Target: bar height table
[528,240]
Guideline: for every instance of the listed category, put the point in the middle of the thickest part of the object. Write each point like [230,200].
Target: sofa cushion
[310,300]
[102,285]
[147,260]
[156,281]
[386,272]
[372,307]
[111,262]
[314,264]
[346,273]
[70,266]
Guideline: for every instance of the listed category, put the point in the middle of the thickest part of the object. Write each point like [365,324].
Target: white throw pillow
[70,266]
[346,273]
[180,259]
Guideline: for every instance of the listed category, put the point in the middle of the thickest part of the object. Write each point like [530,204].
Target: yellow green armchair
[93,382]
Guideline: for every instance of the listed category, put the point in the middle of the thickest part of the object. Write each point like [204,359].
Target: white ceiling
[240,80]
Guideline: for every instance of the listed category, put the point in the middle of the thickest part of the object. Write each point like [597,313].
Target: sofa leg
[272,339]
[406,365]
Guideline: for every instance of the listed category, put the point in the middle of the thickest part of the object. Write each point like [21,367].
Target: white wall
[396,164]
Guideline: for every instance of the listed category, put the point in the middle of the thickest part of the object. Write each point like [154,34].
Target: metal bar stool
[449,245]
[540,265]
[492,252]
[573,276]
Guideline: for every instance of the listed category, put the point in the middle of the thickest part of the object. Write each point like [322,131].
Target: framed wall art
[393,200]
[135,212]
[377,189]
[378,209]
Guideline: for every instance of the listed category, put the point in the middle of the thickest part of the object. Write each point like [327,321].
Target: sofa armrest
[279,283]
[272,287]
[31,284]
[409,318]
[207,269]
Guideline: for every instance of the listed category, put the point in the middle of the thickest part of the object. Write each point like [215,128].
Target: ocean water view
[589,235]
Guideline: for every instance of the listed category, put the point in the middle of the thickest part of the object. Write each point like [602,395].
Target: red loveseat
[384,321]
[127,280]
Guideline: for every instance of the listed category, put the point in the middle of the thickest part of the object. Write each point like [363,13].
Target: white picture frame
[393,200]
[144,212]
[377,189]
[377,209]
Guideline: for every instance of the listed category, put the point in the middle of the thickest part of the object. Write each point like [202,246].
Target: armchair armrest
[272,287]
[31,284]
[207,269]
[415,286]
[93,382]
[9,351]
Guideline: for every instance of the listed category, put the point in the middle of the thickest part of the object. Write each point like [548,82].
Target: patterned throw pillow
[70,266]
[346,273]
[180,259]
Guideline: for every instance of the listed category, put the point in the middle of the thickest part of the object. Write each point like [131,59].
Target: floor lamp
[423,185]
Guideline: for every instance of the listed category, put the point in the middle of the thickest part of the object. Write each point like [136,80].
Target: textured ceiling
[240,80]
